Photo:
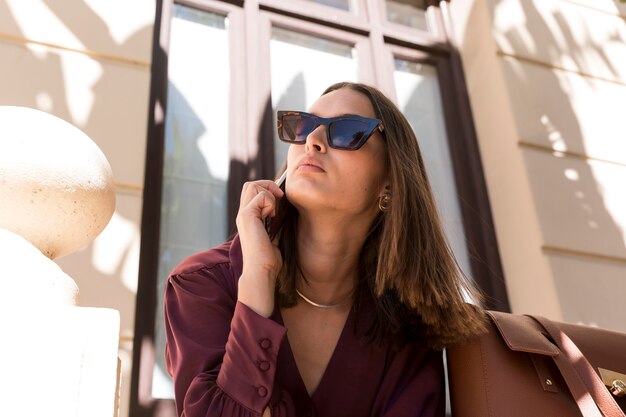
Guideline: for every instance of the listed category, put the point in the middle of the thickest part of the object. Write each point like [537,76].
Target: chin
[307,198]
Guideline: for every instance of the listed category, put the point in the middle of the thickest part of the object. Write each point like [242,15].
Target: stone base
[60,361]
[29,278]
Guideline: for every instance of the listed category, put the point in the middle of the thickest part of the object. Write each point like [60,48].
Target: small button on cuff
[265,343]
[262,391]
[264,365]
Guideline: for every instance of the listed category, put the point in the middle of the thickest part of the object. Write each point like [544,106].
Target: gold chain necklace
[313,303]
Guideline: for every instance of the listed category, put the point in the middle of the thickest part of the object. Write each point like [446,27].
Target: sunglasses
[348,132]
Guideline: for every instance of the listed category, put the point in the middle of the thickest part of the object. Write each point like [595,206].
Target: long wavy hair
[419,291]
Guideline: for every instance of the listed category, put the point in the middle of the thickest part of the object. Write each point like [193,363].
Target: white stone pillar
[56,196]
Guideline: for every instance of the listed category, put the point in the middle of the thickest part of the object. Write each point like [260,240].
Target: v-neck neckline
[329,366]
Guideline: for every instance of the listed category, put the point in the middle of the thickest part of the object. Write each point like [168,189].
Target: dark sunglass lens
[296,128]
[348,134]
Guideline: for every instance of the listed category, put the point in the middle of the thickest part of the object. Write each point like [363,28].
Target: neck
[328,255]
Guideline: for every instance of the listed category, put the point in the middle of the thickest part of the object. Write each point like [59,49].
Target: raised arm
[221,345]
[221,354]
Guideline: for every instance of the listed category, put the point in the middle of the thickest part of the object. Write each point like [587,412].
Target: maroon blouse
[227,360]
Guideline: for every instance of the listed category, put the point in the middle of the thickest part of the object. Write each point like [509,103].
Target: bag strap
[582,380]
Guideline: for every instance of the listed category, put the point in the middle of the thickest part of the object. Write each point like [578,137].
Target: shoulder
[207,259]
[219,265]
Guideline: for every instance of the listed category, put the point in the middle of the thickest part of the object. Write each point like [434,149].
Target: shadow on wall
[570,197]
[84,92]
[44,87]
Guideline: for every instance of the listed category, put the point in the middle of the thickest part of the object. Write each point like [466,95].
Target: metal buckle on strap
[614,381]
[618,388]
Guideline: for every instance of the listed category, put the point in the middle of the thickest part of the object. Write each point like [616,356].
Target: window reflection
[417,89]
[409,13]
[338,4]
[196,154]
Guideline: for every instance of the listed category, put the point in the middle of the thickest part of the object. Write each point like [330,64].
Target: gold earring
[384,202]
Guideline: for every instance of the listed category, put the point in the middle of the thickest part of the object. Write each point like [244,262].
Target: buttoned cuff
[249,365]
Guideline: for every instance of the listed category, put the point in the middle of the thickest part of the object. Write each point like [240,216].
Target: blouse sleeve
[418,385]
[221,354]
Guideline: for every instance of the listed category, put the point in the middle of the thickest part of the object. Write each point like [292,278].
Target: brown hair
[418,289]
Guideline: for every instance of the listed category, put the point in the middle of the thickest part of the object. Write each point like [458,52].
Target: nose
[317,141]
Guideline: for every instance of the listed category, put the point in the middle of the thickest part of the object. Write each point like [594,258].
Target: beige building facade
[545,80]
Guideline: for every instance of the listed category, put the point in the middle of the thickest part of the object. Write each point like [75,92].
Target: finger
[264,202]
[272,187]
[253,190]
[256,210]
[264,184]
[276,190]
[249,191]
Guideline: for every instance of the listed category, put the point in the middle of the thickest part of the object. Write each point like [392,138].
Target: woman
[346,311]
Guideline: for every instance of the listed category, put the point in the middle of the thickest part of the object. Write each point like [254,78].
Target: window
[298,71]
[409,13]
[419,98]
[339,4]
[225,68]
[196,154]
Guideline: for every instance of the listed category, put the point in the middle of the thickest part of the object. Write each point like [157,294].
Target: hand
[261,258]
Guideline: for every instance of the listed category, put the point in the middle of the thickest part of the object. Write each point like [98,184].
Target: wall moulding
[570,154]
[537,62]
[93,54]
[582,254]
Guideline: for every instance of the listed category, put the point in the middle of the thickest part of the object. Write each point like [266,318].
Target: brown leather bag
[528,366]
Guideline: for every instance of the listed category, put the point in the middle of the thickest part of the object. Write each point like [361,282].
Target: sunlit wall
[547,83]
[88,62]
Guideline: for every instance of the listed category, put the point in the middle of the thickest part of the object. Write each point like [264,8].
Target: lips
[310,164]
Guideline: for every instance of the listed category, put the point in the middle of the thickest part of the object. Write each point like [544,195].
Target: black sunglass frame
[372,126]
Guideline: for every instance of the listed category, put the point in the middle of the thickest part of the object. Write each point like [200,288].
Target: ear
[385,189]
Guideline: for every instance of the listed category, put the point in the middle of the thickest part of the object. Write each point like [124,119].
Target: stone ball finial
[56,185]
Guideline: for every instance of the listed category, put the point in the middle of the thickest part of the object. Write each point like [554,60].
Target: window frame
[142,404]
[486,267]
[311,11]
